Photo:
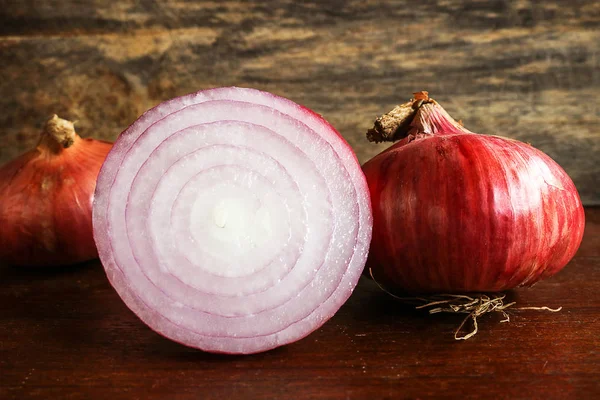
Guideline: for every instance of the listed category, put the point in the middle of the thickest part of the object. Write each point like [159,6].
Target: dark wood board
[65,334]
[524,69]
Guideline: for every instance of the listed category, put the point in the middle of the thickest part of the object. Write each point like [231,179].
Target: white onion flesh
[232,220]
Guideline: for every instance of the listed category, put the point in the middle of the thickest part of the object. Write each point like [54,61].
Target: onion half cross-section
[232,220]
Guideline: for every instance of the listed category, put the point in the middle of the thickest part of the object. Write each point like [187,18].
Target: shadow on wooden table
[23,273]
[74,308]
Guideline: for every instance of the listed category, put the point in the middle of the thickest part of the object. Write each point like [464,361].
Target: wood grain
[524,69]
[66,334]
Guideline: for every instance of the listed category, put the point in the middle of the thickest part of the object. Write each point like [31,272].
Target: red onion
[455,211]
[46,199]
[232,220]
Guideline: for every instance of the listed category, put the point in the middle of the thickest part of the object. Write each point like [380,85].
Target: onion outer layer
[456,211]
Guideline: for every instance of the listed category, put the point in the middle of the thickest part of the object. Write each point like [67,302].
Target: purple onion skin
[455,211]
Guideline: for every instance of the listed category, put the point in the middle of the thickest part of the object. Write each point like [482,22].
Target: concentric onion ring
[232,220]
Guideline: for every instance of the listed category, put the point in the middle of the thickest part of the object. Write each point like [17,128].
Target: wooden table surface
[65,334]
[527,70]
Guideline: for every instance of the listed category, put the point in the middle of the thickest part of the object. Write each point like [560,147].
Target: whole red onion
[46,199]
[456,211]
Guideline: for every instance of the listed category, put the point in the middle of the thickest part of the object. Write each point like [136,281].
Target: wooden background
[525,69]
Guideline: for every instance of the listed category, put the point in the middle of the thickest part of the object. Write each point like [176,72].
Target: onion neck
[58,134]
[420,116]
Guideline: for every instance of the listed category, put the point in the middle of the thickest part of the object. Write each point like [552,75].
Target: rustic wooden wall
[525,69]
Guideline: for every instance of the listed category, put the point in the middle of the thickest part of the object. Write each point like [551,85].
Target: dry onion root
[473,304]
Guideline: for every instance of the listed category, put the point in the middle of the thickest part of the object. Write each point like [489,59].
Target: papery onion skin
[456,211]
[46,201]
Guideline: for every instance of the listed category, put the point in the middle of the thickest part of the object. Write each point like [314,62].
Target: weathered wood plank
[525,69]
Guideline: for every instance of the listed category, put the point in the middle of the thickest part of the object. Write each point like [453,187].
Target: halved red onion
[232,220]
